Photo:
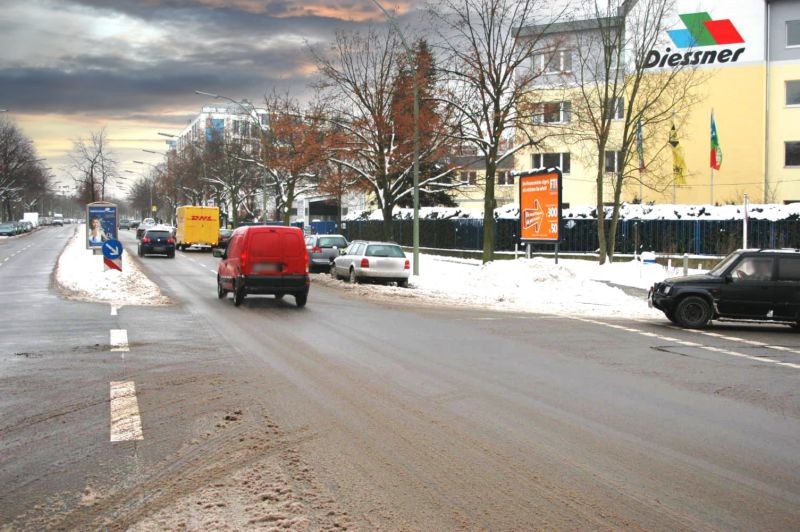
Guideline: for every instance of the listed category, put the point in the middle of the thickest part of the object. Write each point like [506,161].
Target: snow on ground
[628,211]
[80,275]
[570,288]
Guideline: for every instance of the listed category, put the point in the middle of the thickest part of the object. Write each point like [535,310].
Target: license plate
[159,249]
[266,267]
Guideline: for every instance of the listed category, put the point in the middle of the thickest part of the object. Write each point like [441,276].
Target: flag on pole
[716,151]
[640,145]
[678,162]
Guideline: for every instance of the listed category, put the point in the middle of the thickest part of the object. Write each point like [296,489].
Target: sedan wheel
[353,279]
[693,312]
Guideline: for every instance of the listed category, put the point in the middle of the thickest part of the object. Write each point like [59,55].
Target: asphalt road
[383,414]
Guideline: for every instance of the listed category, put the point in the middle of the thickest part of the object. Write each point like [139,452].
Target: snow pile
[572,287]
[80,275]
[628,211]
[538,285]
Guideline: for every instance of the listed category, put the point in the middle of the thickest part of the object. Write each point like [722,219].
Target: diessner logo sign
[700,31]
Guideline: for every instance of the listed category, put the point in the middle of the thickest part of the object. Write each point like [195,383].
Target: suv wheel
[693,312]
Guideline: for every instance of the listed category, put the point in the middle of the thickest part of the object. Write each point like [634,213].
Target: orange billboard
[540,207]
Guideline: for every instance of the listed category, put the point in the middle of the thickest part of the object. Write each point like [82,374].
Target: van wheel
[301,299]
[693,312]
[221,292]
[353,279]
[238,296]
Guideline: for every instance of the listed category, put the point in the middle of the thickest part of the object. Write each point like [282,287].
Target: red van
[264,259]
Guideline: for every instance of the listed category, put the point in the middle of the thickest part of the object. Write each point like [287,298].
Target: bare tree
[93,165]
[23,181]
[622,105]
[230,171]
[485,53]
[361,74]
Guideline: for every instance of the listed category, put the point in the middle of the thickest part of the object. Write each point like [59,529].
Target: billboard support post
[540,208]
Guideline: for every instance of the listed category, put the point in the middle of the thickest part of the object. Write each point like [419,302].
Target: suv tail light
[146,240]
[407,265]
[365,262]
[316,249]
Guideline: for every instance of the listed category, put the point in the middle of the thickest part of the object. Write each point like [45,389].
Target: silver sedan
[374,261]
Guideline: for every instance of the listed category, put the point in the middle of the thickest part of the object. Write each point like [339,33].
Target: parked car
[27,226]
[322,249]
[375,261]
[133,224]
[264,259]
[157,240]
[124,223]
[9,229]
[146,224]
[224,237]
[761,285]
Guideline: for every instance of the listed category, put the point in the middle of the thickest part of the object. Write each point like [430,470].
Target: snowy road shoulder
[80,275]
[570,288]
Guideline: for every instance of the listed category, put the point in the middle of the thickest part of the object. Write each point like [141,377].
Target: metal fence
[700,237]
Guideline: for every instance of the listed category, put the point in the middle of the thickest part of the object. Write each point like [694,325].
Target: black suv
[157,240]
[761,285]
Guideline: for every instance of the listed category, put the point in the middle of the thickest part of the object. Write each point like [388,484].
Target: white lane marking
[699,346]
[119,340]
[126,423]
[744,341]
[114,310]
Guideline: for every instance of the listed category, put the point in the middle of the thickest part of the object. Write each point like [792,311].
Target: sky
[71,67]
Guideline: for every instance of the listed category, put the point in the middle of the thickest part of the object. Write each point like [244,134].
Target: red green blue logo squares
[702,31]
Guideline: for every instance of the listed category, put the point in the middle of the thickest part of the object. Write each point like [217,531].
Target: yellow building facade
[751,81]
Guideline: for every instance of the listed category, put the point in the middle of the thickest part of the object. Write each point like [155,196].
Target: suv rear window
[158,234]
[330,241]
[789,269]
[381,250]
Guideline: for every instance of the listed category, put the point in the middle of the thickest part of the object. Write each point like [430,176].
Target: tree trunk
[488,208]
[601,213]
[611,241]
[388,225]
[287,214]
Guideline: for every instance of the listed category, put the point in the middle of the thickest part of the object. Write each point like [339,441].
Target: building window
[470,178]
[793,92]
[505,178]
[551,160]
[552,61]
[614,161]
[552,113]
[793,33]
[616,109]
[793,153]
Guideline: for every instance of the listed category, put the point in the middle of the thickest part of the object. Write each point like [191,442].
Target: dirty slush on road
[212,457]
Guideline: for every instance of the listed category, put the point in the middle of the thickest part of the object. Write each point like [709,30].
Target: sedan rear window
[158,234]
[381,250]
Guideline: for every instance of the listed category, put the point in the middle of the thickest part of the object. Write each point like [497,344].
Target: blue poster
[101,224]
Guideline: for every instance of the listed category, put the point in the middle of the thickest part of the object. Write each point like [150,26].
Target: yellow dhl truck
[197,226]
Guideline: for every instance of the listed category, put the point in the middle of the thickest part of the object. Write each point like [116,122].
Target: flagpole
[712,186]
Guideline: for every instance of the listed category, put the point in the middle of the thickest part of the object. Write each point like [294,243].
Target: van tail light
[170,241]
[365,262]
[407,265]
[146,240]
[243,262]
[316,249]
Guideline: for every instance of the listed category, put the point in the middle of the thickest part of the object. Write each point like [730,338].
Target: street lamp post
[413,61]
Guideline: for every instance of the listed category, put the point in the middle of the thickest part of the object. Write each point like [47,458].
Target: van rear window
[158,234]
[264,244]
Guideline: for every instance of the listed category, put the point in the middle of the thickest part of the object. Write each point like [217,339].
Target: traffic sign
[112,249]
